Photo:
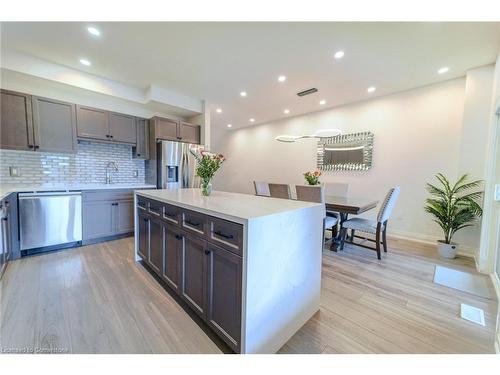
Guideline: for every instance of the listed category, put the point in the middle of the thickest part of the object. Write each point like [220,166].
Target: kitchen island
[249,266]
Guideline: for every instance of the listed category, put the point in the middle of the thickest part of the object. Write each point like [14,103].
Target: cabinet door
[155,258]
[16,121]
[142,148]
[193,271]
[166,129]
[122,128]
[124,216]
[189,133]
[174,243]
[143,232]
[54,124]
[224,294]
[98,219]
[92,123]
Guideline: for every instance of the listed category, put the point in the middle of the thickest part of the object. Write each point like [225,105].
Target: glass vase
[206,188]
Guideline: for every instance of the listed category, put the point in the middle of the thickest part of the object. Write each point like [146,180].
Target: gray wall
[87,166]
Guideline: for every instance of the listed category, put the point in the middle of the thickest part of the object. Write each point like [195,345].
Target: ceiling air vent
[307,92]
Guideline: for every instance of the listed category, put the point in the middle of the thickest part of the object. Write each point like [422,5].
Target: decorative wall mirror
[346,152]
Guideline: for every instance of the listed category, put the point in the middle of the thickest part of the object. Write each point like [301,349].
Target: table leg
[336,240]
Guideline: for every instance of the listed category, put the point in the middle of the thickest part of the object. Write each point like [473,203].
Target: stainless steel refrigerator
[175,166]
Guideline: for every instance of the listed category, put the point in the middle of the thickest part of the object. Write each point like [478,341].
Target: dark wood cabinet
[155,257]
[54,124]
[107,214]
[16,121]
[172,253]
[224,294]
[92,123]
[122,128]
[143,234]
[173,130]
[206,275]
[141,150]
[194,274]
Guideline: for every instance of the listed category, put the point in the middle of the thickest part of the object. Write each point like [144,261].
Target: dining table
[345,206]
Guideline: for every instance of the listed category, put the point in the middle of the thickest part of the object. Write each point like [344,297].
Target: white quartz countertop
[6,189]
[231,206]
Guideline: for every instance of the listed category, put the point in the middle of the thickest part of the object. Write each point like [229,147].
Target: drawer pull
[178,237]
[227,236]
[146,220]
[192,223]
[207,252]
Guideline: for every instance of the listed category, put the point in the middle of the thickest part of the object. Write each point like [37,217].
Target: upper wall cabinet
[172,130]
[54,124]
[16,122]
[98,124]
[38,124]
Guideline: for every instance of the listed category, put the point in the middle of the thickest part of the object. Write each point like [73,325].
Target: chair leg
[343,235]
[384,237]
[352,234]
[377,241]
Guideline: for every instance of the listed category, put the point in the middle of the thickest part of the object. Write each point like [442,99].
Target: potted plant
[454,207]
[312,178]
[207,164]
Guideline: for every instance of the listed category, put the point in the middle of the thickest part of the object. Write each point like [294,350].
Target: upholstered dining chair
[336,189]
[317,194]
[280,191]
[261,188]
[377,227]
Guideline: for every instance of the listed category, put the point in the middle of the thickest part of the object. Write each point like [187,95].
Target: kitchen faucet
[111,166]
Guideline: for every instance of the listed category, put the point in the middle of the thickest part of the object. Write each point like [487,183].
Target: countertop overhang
[230,206]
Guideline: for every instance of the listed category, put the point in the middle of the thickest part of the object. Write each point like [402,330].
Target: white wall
[417,134]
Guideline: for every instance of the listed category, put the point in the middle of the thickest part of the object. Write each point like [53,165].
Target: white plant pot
[447,250]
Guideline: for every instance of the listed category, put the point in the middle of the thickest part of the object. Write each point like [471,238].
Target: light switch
[497,192]
[14,171]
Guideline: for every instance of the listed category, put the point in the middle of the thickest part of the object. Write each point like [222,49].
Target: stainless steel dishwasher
[48,221]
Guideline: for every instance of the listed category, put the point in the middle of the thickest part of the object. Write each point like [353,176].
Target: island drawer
[142,203]
[107,195]
[155,208]
[172,214]
[226,234]
[194,222]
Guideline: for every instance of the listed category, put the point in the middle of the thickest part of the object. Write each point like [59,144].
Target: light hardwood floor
[96,299]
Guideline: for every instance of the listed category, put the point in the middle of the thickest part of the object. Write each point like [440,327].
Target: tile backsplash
[88,165]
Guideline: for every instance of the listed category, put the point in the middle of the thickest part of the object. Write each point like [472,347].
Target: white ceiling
[215,61]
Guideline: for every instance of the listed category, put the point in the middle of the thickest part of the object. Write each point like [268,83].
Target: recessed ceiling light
[229,125]
[286,111]
[443,70]
[322,102]
[339,54]
[92,30]
[281,78]
[85,62]
[371,89]
[252,120]
[218,110]
[243,93]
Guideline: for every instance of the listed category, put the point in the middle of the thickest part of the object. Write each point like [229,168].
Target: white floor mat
[464,281]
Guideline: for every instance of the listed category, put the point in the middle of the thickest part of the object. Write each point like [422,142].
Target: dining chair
[261,188]
[280,191]
[317,194]
[377,227]
[336,189]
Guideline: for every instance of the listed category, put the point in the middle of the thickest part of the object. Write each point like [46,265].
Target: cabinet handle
[107,135]
[36,147]
[178,237]
[30,146]
[110,136]
[4,219]
[138,154]
[228,236]
[145,219]
[189,222]
[207,252]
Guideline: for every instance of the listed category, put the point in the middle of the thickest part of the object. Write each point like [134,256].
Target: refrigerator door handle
[185,167]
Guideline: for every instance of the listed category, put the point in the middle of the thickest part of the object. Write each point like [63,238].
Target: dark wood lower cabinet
[194,274]
[224,294]
[206,276]
[143,233]
[155,257]
[172,253]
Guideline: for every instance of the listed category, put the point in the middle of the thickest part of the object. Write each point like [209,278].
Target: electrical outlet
[136,173]
[14,171]
[497,192]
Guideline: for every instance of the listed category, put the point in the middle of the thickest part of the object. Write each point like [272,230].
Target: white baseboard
[496,284]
